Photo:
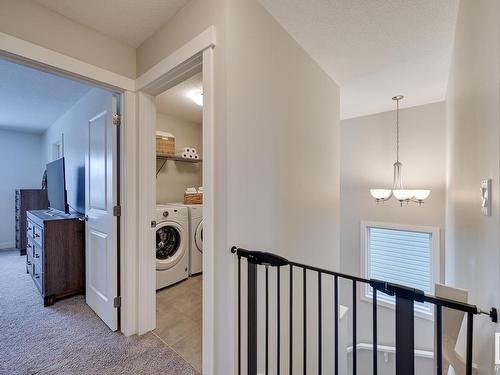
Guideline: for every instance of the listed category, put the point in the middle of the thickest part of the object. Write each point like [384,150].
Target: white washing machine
[172,244]
[195,237]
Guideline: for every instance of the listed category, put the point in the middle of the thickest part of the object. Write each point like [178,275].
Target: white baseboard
[7,245]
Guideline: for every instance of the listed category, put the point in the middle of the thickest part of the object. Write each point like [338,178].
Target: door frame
[37,57]
[196,55]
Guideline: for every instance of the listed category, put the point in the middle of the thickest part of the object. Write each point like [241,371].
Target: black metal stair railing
[404,320]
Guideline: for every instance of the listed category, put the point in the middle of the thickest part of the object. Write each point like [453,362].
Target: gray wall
[22,168]
[367,155]
[472,241]
[74,125]
[175,177]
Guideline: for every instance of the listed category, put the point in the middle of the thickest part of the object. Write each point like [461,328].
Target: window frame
[366,293]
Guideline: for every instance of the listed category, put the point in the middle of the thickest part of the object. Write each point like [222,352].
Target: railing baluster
[439,340]
[291,320]
[252,320]
[278,324]
[468,363]
[375,338]
[336,323]
[354,329]
[267,320]
[405,336]
[320,350]
[239,315]
[304,326]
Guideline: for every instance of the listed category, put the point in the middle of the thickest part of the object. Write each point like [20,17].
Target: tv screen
[56,186]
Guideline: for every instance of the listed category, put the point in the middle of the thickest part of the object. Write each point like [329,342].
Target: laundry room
[179,218]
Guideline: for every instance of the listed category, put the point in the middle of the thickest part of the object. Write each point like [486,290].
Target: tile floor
[178,318]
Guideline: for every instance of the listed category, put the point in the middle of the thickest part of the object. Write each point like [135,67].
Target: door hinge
[153,224]
[117,211]
[117,301]
[117,120]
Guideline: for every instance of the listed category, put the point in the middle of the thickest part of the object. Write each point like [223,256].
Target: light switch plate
[486,197]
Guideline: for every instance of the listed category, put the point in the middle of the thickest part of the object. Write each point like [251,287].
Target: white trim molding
[195,56]
[184,54]
[42,58]
[146,301]
[435,260]
[23,52]
[208,314]
[128,230]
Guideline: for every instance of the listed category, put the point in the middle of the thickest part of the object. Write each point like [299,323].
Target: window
[401,254]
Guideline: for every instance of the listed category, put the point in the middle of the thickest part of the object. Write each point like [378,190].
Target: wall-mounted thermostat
[486,197]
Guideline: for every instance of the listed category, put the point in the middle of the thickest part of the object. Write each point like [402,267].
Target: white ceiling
[130,21]
[177,102]
[31,100]
[375,49]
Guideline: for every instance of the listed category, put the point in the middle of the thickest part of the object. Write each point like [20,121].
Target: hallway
[68,338]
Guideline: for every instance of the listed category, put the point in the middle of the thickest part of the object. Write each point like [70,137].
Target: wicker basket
[165,145]
[193,198]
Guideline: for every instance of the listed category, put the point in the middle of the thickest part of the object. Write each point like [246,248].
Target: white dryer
[195,237]
[172,244]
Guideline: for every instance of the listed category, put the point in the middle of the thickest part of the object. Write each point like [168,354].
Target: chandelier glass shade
[398,191]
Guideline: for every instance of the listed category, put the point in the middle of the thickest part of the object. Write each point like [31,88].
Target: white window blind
[402,257]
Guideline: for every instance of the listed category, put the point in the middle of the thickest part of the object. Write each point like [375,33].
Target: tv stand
[55,256]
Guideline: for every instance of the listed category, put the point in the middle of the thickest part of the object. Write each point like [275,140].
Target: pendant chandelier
[398,191]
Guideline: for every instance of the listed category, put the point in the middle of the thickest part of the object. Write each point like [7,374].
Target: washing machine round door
[198,237]
[170,244]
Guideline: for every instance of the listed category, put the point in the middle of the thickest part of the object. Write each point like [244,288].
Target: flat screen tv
[56,186]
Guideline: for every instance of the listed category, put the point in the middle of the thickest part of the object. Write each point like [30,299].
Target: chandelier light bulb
[420,195]
[403,194]
[381,194]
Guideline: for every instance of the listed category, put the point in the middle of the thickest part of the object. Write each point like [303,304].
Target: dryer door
[170,244]
[198,237]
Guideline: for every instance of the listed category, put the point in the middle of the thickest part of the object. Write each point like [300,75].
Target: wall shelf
[165,158]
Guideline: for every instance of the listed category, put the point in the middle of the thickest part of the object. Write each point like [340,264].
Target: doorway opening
[59,154]
[179,218]
[196,56]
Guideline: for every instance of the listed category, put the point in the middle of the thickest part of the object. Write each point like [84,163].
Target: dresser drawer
[34,250]
[29,229]
[29,264]
[37,275]
[38,234]
[30,248]
[37,252]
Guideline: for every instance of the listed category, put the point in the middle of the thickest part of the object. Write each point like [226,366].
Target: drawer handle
[37,276]
[37,255]
[37,235]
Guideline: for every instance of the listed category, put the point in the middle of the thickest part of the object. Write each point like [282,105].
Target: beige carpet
[68,338]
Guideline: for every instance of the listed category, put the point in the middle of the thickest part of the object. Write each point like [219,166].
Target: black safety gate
[404,297]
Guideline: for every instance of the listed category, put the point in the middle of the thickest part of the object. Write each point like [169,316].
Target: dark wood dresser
[27,199]
[55,256]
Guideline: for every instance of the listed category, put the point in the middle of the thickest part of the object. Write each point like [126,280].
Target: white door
[101,255]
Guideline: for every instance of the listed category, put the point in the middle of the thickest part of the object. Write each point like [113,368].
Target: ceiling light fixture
[197,97]
[398,191]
